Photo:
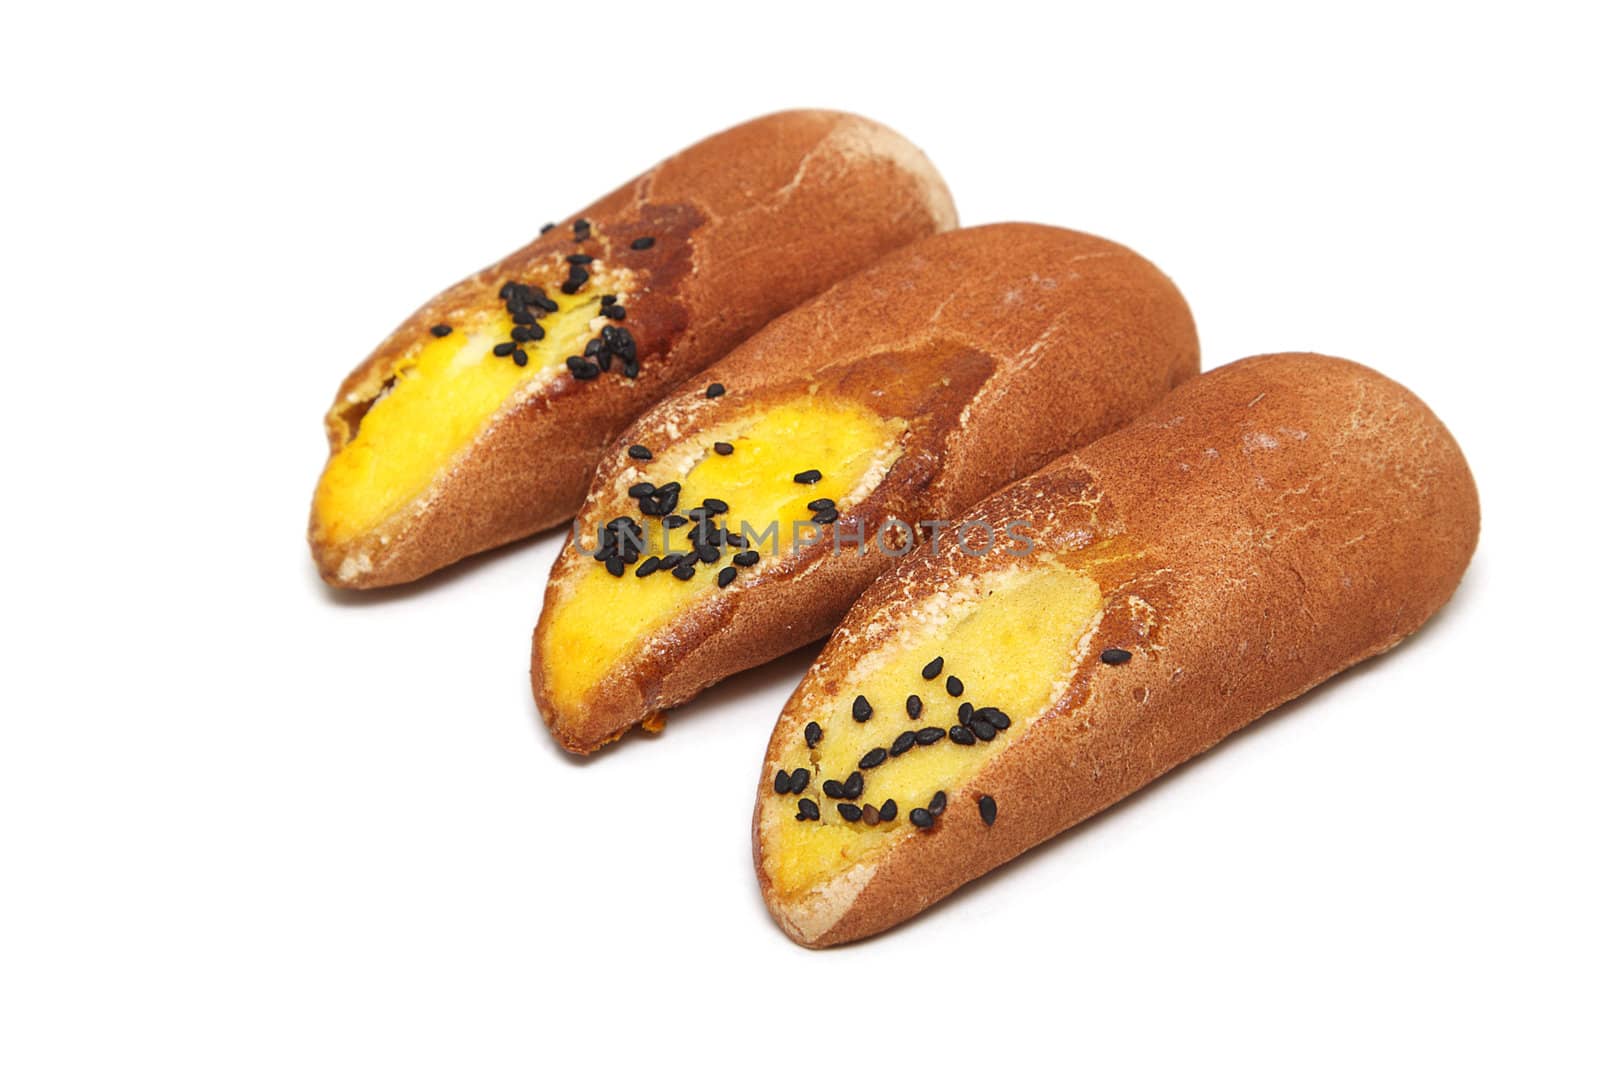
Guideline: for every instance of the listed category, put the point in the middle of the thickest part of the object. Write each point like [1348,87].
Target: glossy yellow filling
[601,619]
[1011,640]
[442,396]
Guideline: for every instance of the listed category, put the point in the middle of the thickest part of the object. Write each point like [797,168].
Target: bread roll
[1264,527]
[479,420]
[888,404]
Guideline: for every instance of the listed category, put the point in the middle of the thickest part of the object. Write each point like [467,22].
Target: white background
[244,820]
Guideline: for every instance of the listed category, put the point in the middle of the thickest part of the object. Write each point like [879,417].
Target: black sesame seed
[715,505]
[929,735]
[747,559]
[1115,656]
[861,709]
[595,348]
[547,227]
[953,686]
[608,299]
[964,713]
[826,517]
[722,448]
[620,341]
[995,717]
[642,243]
[441,330]
[505,348]
[808,810]
[640,452]
[914,706]
[933,667]
[581,368]
[888,810]
[849,812]
[961,735]
[671,560]
[813,734]
[873,758]
[542,302]
[869,814]
[799,778]
[580,229]
[520,358]
[615,567]
[714,390]
[936,805]
[809,477]
[735,540]
[986,809]
[822,503]
[648,567]
[672,522]
[780,782]
[615,312]
[576,278]
[725,576]
[921,819]
[833,789]
[640,490]
[903,743]
[581,259]
[683,572]
[984,729]
[853,785]
[706,553]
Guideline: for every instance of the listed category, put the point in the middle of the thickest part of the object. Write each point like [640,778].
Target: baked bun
[1261,529]
[822,449]
[479,420]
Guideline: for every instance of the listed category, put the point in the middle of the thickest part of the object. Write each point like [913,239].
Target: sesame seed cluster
[973,725]
[622,540]
[526,304]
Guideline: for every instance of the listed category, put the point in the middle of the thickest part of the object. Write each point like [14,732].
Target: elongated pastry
[479,420]
[1266,526]
[741,517]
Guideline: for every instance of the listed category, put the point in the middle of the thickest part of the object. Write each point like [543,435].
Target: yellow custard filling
[600,619]
[441,396]
[1011,639]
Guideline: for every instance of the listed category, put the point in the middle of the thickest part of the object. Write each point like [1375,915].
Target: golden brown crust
[1001,345]
[1288,516]
[748,223]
